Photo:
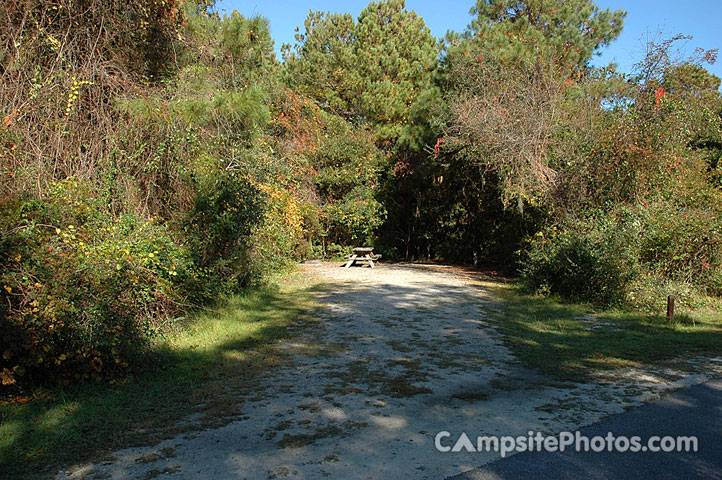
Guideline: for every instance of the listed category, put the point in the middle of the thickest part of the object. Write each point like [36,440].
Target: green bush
[278,239]
[572,265]
[82,292]
[636,256]
[218,229]
[683,244]
[349,165]
[356,217]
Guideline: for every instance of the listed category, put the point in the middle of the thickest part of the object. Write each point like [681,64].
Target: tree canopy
[567,33]
[370,70]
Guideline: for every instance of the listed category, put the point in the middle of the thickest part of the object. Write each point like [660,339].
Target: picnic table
[362,254]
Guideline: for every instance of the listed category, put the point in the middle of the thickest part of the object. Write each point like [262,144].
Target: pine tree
[396,54]
[567,32]
[372,70]
[322,59]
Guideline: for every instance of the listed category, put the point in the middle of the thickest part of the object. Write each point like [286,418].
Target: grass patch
[569,340]
[325,431]
[203,369]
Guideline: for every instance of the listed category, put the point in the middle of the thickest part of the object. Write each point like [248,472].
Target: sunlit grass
[207,363]
[553,337]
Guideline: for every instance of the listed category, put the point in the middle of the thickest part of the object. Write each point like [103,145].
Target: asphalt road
[696,411]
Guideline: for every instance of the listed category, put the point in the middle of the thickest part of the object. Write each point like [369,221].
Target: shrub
[356,216]
[570,264]
[683,244]
[276,240]
[82,292]
[218,228]
[635,255]
[348,175]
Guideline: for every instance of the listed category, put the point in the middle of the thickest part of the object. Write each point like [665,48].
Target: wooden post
[670,308]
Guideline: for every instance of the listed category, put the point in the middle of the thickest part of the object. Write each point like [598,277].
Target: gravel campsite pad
[396,354]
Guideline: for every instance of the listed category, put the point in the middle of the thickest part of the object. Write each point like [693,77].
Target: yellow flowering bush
[82,292]
[276,239]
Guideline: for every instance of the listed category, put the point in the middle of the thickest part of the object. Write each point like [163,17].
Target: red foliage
[437,147]
[658,95]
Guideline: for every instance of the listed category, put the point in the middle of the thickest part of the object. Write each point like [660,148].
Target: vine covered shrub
[227,208]
[574,264]
[349,166]
[278,239]
[636,256]
[82,292]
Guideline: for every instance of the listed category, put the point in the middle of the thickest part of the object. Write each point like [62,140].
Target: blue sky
[702,19]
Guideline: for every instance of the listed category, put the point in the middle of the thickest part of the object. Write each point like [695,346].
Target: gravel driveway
[398,353]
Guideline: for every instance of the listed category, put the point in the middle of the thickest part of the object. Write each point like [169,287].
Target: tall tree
[568,32]
[371,70]
[506,81]
[396,54]
[321,61]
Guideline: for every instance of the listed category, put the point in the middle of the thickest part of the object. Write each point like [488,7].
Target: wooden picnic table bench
[362,254]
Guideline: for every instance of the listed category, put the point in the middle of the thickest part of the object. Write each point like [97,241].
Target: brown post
[670,308]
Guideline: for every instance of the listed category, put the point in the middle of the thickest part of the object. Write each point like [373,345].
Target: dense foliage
[156,156]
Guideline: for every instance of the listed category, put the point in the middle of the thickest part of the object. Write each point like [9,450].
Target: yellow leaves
[96,363]
[7,377]
[74,94]
[53,42]
[8,288]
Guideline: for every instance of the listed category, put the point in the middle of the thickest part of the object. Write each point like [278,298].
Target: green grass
[202,369]
[548,335]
